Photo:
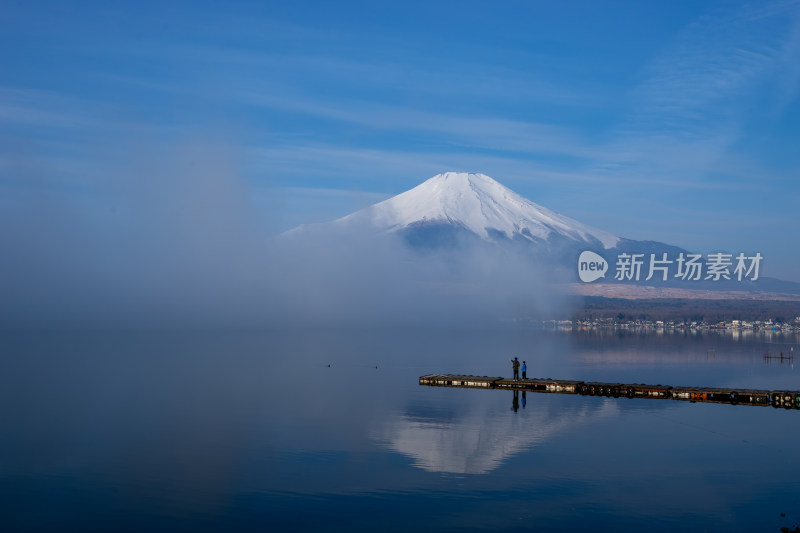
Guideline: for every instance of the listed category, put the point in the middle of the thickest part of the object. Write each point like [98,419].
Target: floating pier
[777,399]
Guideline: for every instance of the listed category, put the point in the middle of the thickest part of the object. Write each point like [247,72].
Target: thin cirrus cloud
[694,99]
[329,105]
[487,133]
[681,122]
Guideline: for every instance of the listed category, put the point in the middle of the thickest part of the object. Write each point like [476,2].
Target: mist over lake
[235,238]
[327,428]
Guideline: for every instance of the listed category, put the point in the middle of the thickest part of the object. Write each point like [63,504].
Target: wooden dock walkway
[777,399]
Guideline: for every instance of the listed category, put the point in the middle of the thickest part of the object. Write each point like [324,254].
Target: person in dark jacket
[515,367]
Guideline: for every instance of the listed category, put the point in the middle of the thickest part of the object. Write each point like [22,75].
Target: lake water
[329,430]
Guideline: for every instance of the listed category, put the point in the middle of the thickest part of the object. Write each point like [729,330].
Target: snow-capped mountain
[475,203]
[456,210]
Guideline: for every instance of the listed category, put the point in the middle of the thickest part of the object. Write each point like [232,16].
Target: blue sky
[670,121]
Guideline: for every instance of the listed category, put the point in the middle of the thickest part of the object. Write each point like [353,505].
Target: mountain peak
[462,181]
[451,179]
[477,203]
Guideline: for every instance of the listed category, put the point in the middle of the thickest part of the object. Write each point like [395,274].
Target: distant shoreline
[706,311]
[648,292]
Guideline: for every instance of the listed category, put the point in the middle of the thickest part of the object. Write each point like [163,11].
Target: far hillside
[683,310]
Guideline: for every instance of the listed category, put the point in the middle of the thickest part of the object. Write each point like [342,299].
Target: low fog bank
[178,243]
[330,277]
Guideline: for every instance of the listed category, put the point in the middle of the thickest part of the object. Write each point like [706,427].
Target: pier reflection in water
[302,430]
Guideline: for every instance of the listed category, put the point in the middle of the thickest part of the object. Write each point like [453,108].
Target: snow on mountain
[455,208]
[479,440]
[477,203]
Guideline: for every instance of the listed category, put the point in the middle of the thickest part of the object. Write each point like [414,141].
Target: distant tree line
[684,310]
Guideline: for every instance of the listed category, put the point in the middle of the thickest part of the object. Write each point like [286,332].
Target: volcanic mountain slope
[454,206]
[455,210]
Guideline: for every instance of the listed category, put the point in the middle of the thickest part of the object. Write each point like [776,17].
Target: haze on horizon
[149,150]
[179,247]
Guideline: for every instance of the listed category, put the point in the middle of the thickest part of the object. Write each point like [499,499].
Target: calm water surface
[329,430]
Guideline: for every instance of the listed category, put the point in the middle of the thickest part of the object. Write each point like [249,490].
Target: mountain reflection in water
[307,429]
[483,436]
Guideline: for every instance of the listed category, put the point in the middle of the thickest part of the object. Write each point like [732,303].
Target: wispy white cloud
[684,117]
[40,108]
[488,133]
[323,112]
[692,102]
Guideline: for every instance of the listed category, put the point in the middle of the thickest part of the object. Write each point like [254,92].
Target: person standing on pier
[515,367]
[524,370]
